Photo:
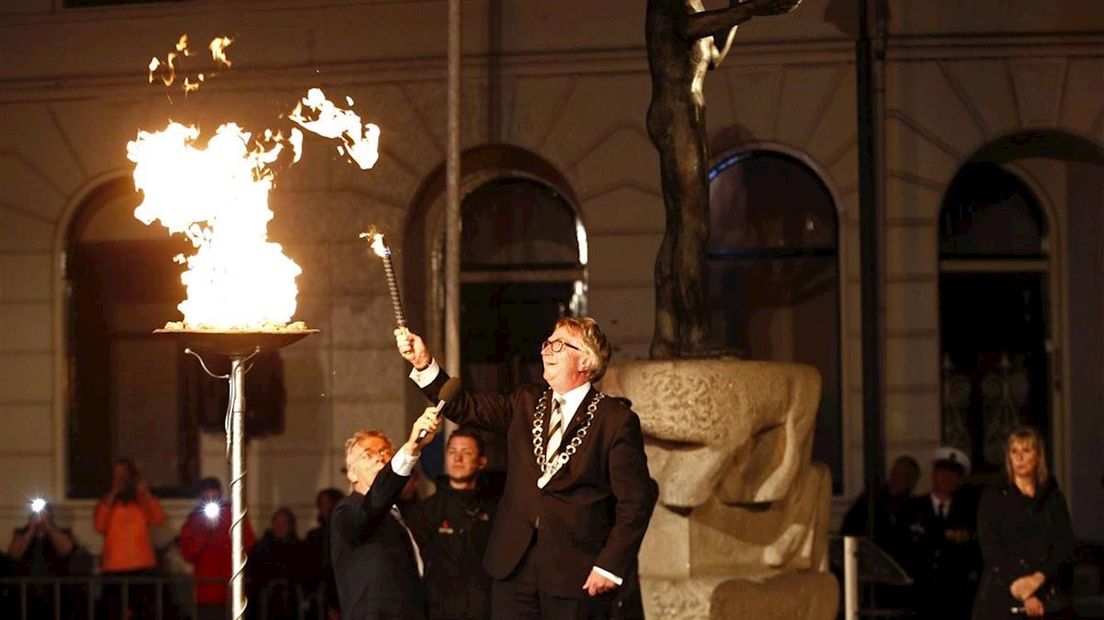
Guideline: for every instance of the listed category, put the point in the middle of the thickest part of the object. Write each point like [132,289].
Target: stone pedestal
[742,523]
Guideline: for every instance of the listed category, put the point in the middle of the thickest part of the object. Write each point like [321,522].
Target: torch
[379,246]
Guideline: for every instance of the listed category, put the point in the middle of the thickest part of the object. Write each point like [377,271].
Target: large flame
[218,197]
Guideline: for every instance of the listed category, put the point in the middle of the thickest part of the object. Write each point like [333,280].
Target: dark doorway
[994,330]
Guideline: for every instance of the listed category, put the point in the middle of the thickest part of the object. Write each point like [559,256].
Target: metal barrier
[173,598]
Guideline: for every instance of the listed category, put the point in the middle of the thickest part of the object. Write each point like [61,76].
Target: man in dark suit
[578,496]
[375,558]
[945,559]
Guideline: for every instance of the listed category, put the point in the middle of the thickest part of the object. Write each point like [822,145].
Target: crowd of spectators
[996,550]
[287,576]
[1009,540]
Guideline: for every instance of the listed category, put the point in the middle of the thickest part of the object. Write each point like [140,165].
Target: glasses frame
[557,345]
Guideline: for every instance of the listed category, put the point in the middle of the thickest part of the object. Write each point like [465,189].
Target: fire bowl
[235,342]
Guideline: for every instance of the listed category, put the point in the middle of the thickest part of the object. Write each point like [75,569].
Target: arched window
[773,275]
[522,266]
[994,312]
[122,284]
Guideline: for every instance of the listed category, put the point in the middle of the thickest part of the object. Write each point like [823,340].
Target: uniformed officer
[945,560]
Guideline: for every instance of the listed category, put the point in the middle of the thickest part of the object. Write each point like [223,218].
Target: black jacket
[372,556]
[890,529]
[276,566]
[593,512]
[1020,535]
[452,528]
[320,575]
[943,557]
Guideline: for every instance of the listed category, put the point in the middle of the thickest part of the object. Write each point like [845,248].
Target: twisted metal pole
[237,481]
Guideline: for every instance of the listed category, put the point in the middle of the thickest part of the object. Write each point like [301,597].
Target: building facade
[554,96]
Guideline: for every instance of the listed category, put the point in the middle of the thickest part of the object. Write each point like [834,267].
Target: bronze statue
[683,41]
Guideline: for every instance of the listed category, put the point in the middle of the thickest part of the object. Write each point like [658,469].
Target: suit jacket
[372,556]
[593,512]
[945,568]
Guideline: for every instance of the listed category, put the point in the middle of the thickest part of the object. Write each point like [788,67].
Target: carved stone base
[742,540]
[785,596]
[741,527]
[745,426]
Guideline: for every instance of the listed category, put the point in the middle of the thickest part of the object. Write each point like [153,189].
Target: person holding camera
[124,516]
[205,543]
[40,549]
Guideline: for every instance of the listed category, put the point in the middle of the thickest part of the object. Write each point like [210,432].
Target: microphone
[448,390]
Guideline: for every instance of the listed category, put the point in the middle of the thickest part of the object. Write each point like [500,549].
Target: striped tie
[555,430]
[555,436]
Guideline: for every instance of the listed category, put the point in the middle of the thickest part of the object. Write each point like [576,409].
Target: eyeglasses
[557,345]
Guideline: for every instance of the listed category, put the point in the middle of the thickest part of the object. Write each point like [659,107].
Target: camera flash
[37,504]
[211,510]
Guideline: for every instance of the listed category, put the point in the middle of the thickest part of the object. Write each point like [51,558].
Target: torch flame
[322,117]
[378,245]
[218,197]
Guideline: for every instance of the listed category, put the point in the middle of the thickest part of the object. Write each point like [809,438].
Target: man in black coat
[452,528]
[578,496]
[375,559]
[945,560]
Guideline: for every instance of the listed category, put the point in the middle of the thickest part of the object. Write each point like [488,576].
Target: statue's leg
[665,341]
[675,126]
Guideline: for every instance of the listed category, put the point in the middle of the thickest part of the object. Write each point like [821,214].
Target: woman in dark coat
[1025,535]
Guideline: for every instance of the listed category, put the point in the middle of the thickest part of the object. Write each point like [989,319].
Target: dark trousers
[517,597]
[141,601]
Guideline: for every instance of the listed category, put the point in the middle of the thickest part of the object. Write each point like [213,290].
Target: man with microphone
[376,561]
[578,496]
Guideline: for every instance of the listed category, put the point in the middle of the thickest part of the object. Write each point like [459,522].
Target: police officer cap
[946,456]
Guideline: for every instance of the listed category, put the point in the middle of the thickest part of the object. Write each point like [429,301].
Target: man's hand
[428,421]
[1034,607]
[597,584]
[1025,587]
[412,348]
[45,521]
[34,524]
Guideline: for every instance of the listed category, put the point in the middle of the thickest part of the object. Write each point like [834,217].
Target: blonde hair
[595,345]
[354,441]
[363,434]
[1029,436]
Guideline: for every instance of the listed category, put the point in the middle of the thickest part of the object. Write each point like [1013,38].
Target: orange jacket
[126,529]
[206,545]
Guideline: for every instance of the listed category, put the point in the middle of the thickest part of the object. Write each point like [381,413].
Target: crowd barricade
[152,597]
